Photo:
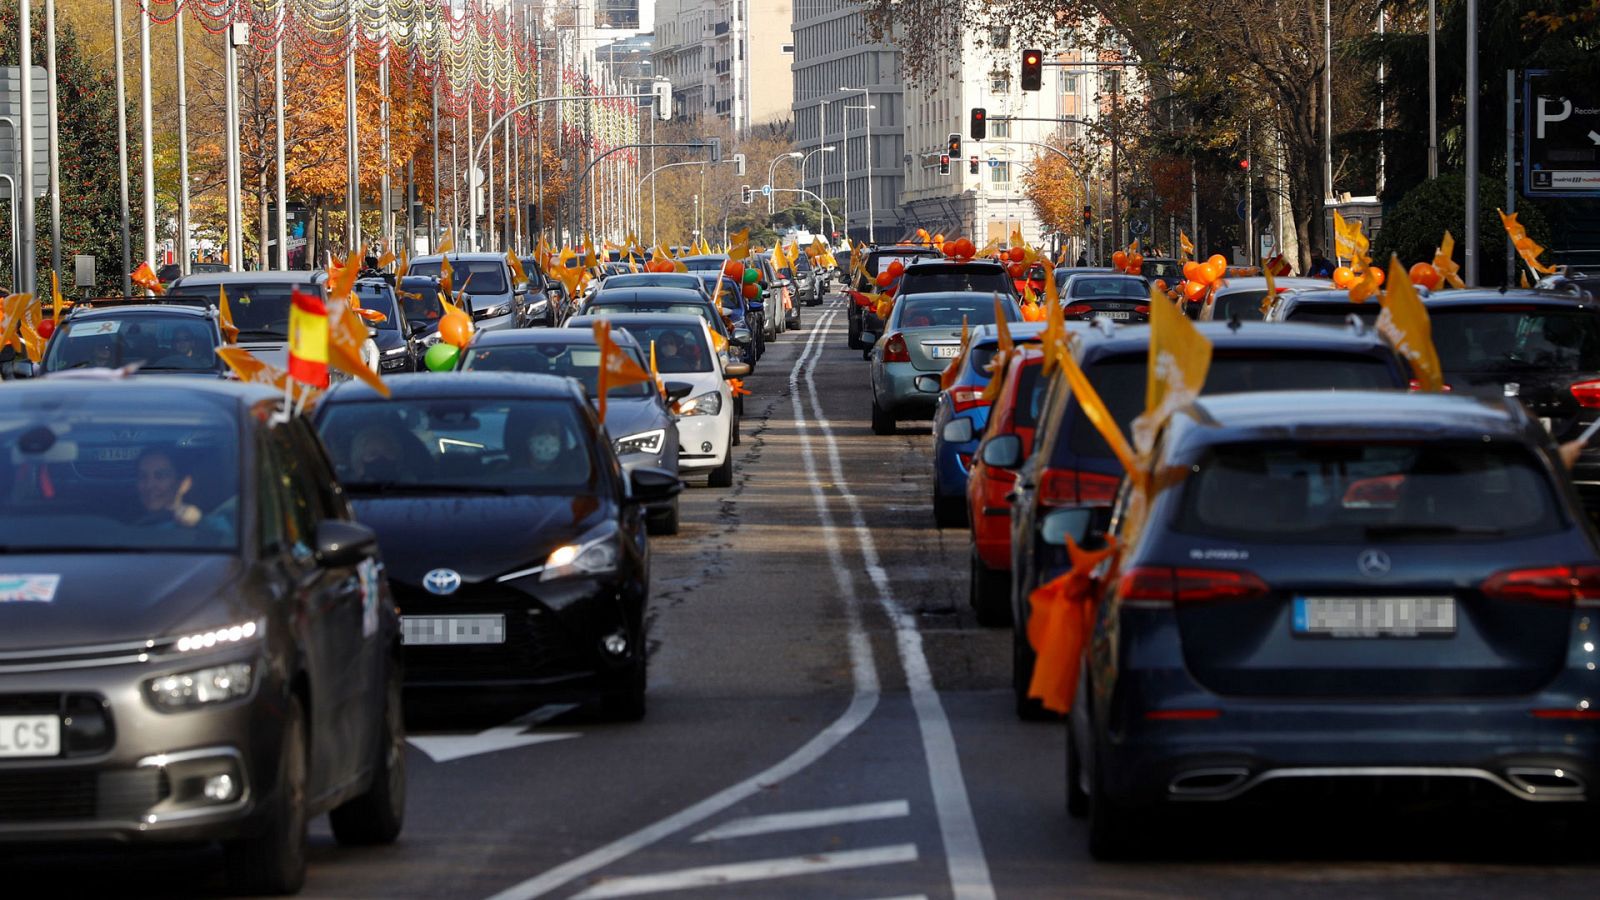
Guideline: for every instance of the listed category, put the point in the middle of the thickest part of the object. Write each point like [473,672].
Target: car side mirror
[677,390]
[413,328]
[1003,451]
[930,384]
[341,543]
[741,335]
[757,306]
[1086,525]
[957,430]
[520,287]
[736,369]
[650,485]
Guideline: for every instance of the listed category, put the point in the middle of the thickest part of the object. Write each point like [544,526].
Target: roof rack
[111,302]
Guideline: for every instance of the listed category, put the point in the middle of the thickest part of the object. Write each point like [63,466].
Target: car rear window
[1245,304]
[1098,288]
[1350,492]
[915,312]
[933,278]
[1333,313]
[158,343]
[1121,383]
[1031,390]
[1509,337]
[880,262]
[982,355]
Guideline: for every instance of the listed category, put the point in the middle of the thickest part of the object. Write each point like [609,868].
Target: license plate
[30,736]
[425,630]
[1114,314]
[1372,617]
[943,352]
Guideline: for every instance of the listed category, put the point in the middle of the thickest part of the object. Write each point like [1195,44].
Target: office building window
[1000,172]
[1069,83]
[1000,129]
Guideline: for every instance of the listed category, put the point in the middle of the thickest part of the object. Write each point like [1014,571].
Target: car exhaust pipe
[1545,782]
[1208,783]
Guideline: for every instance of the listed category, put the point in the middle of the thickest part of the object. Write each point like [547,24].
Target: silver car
[483,285]
[922,335]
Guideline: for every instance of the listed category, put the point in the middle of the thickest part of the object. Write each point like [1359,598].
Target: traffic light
[1088,215]
[1244,164]
[980,123]
[1032,70]
[745,194]
[972,164]
[954,144]
[738,164]
[944,164]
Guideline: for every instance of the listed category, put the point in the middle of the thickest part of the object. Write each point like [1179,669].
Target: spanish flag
[617,368]
[308,339]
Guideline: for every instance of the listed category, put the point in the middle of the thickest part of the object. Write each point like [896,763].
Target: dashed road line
[757,870]
[798,821]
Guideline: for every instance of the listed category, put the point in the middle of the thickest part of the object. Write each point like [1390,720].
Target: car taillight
[1078,309]
[1163,584]
[895,350]
[1546,584]
[966,397]
[1417,386]
[1068,487]
[1587,393]
[966,461]
[1142,309]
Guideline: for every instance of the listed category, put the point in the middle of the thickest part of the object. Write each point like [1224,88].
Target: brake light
[1078,309]
[1546,584]
[1069,487]
[1164,584]
[1182,715]
[1142,309]
[966,397]
[1587,393]
[895,350]
[1566,714]
[1416,385]
[966,461]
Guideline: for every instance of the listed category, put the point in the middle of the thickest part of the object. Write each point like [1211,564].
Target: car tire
[1111,824]
[853,335]
[882,422]
[377,816]
[274,861]
[722,476]
[734,438]
[949,512]
[1022,661]
[990,594]
[665,521]
[623,700]
[1077,797]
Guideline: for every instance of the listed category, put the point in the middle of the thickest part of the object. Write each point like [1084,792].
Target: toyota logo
[442,581]
[1373,563]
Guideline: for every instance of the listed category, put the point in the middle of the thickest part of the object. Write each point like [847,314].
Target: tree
[1055,187]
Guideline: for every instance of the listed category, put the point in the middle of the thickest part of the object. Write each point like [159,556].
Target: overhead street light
[772,168]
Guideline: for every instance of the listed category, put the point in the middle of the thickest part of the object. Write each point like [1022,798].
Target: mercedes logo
[1373,563]
[442,581]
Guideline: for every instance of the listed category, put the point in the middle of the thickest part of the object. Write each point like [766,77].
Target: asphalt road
[826,720]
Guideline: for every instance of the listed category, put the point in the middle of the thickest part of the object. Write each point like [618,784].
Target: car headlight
[191,690]
[393,352]
[643,442]
[596,557]
[242,633]
[428,340]
[707,404]
[490,312]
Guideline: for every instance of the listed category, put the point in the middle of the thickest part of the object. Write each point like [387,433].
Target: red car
[988,510]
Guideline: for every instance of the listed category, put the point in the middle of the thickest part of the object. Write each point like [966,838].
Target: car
[172,271]
[707,421]
[1323,306]
[541,578]
[921,337]
[960,416]
[400,340]
[557,303]
[1121,298]
[1071,465]
[877,260]
[788,289]
[939,276]
[638,416]
[170,338]
[1349,596]
[482,284]
[626,279]
[420,306]
[1163,267]
[259,302]
[777,294]
[729,297]
[206,648]
[1242,297]
[809,280]
[674,301]
[1062,273]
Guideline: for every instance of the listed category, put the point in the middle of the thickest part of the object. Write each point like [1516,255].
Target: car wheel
[882,422]
[665,521]
[1022,660]
[854,334]
[949,512]
[274,861]
[733,431]
[1111,821]
[1077,797]
[623,700]
[722,476]
[990,594]
[377,816]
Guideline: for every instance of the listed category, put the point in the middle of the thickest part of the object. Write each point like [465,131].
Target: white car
[684,355]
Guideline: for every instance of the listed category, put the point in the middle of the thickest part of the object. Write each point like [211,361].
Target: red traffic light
[977,115]
[1244,164]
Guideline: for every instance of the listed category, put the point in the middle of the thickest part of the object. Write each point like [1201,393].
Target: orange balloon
[1218,260]
[1377,274]
[455,329]
[1343,277]
[1014,270]
[1135,263]
[1119,260]
[1191,270]
[1425,275]
[884,279]
[733,269]
[1016,254]
[1193,291]
[1161,285]
[1213,269]
[938,238]
[750,291]
[896,267]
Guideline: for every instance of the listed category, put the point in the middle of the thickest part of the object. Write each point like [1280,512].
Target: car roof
[1521,297]
[295,276]
[931,262]
[181,310]
[442,385]
[989,334]
[464,257]
[717,256]
[1108,274]
[621,296]
[530,337]
[1259,282]
[951,295]
[1345,415]
[247,393]
[625,320]
[1242,335]
[905,248]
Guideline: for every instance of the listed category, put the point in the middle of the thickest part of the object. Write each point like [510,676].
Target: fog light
[616,644]
[705,446]
[219,788]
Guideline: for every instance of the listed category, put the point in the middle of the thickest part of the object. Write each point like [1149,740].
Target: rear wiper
[263,334]
[1418,529]
[393,487]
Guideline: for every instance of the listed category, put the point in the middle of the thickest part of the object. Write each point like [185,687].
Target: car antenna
[1234,322]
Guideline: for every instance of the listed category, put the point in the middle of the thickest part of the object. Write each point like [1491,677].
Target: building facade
[726,59]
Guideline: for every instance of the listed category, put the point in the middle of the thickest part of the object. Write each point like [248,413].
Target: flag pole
[52,104]
[122,147]
[352,153]
[147,136]
[183,143]
[278,141]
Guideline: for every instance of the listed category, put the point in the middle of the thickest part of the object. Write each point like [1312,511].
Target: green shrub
[1418,222]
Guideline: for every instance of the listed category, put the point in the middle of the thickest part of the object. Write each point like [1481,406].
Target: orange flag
[1444,261]
[1060,625]
[517,274]
[617,368]
[1095,410]
[230,332]
[953,371]
[1053,338]
[346,335]
[251,369]
[1404,321]
[1180,357]
[997,368]
[145,277]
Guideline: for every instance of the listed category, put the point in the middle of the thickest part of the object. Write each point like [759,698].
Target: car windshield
[922,312]
[511,446]
[1121,382]
[579,359]
[381,300]
[940,277]
[1348,492]
[1243,304]
[1167,269]
[157,343]
[679,348]
[1513,336]
[1107,289]
[83,469]
[422,304]
[702,310]
[474,276]
[260,309]
[708,264]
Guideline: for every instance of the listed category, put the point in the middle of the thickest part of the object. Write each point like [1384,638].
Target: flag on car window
[230,332]
[617,368]
[1180,357]
[308,339]
[1404,321]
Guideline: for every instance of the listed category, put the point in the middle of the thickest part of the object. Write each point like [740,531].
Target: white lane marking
[969,869]
[814,818]
[442,748]
[757,870]
[862,669]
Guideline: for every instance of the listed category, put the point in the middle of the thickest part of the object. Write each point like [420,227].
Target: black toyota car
[1344,603]
[516,544]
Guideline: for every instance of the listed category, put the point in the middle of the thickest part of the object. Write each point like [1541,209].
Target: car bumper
[897,392]
[703,440]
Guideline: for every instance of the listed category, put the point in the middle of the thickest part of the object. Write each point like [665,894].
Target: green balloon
[441,357]
[751,276]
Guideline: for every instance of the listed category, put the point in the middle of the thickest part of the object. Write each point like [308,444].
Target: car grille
[86,724]
[538,646]
[79,795]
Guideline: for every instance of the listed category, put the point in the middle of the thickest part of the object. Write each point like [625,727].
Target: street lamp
[865,106]
[772,168]
[825,149]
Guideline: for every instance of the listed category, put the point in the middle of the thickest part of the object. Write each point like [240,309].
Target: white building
[837,71]
[726,58]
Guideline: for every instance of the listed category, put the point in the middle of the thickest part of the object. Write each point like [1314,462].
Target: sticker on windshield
[367,573]
[96,329]
[28,588]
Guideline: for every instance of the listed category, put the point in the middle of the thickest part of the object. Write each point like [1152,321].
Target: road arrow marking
[1594,137]
[443,748]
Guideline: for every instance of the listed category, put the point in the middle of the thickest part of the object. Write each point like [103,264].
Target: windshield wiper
[263,333]
[395,487]
[1420,529]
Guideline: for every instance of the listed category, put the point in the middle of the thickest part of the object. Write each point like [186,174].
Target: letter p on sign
[1543,117]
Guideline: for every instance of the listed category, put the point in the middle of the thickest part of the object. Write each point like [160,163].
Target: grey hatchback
[197,641]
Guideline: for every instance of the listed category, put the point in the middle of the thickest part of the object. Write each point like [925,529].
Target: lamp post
[824,149]
[866,106]
[772,168]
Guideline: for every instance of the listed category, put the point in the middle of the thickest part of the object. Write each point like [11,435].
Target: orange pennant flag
[347,333]
[251,369]
[617,368]
[952,372]
[997,368]
[145,277]
[1060,625]
[1404,321]
[230,332]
